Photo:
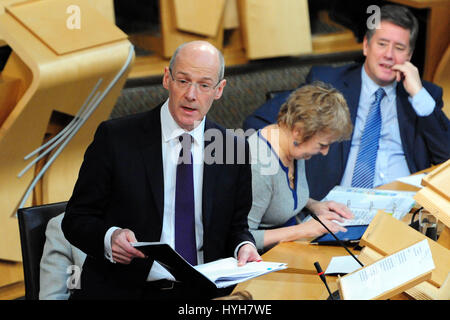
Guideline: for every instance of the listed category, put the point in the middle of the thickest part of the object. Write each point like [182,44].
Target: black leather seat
[32,225]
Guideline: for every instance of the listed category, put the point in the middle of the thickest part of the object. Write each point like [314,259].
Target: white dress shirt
[171,147]
[391,161]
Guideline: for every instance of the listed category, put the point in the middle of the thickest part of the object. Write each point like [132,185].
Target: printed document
[388,273]
[225,272]
[365,203]
[217,274]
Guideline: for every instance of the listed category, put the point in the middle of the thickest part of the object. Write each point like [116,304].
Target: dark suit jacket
[121,184]
[425,140]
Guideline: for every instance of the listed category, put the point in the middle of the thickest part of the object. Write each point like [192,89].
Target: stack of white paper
[365,203]
[225,272]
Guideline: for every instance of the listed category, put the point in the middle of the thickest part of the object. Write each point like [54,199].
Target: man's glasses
[185,84]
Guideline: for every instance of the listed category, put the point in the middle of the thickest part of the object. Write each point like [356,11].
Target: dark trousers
[168,290]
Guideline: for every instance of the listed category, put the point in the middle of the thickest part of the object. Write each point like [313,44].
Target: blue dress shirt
[391,162]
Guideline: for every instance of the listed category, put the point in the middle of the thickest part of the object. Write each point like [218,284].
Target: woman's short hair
[317,107]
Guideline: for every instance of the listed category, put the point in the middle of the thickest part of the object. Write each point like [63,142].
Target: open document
[217,274]
[365,203]
[390,275]
[225,272]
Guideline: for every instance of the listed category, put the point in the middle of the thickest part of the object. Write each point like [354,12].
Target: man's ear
[166,76]
[219,90]
[365,46]
[410,55]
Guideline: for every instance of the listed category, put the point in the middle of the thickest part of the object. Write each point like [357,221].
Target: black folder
[175,264]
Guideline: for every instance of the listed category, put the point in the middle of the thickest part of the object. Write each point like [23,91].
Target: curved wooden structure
[49,75]
[442,78]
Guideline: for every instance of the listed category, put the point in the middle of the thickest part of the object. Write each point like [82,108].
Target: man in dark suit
[133,186]
[414,132]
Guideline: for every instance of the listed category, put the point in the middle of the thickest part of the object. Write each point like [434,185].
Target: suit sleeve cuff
[422,103]
[107,243]
[240,245]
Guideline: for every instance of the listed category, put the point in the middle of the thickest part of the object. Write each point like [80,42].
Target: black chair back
[32,225]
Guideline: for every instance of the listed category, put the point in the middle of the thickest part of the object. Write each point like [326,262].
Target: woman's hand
[329,212]
[330,208]
[314,229]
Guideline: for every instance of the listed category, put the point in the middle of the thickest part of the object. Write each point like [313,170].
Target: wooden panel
[438,180]
[9,89]
[12,291]
[105,8]
[442,78]
[444,238]
[335,42]
[201,17]
[48,82]
[287,286]
[230,15]
[10,272]
[435,196]
[53,30]
[172,38]
[11,280]
[275,28]
[387,235]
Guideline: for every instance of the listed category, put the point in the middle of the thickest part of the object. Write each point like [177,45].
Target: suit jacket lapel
[209,181]
[351,89]
[152,153]
[406,118]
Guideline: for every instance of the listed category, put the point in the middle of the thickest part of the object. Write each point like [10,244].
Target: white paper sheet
[388,273]
[225,272]
[365,203]
[414,180]
[342,265]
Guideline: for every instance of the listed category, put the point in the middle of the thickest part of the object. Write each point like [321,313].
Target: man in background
[399,125]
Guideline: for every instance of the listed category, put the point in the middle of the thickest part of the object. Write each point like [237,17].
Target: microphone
[315,217]
[321,274]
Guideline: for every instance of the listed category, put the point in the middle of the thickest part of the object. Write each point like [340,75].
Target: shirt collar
[171,130]
[371,87]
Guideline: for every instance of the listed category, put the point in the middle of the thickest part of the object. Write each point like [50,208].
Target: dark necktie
[364,173]
[185,243]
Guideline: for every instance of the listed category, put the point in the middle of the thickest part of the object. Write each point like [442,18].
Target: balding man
[154,177]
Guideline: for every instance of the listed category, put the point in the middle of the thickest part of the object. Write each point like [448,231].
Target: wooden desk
[300,281]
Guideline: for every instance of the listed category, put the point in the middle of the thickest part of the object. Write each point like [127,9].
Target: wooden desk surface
[300,281]
[283,285]
[300,256]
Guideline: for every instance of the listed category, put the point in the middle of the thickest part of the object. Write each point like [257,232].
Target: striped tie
[364,172]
